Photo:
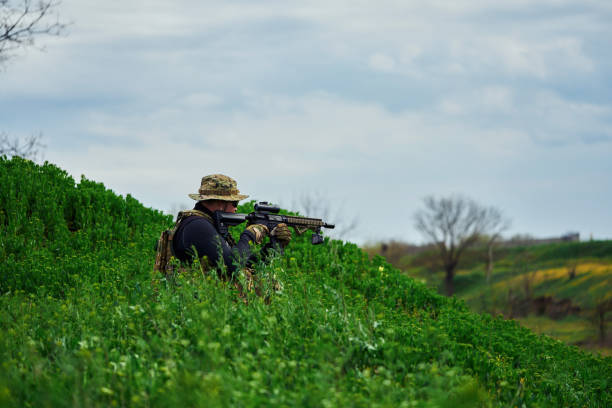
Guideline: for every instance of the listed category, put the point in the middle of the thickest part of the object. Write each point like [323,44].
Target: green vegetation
[84,323]
[579,272]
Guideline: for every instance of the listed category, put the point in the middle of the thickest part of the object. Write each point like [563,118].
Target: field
[571,275]
[85,322]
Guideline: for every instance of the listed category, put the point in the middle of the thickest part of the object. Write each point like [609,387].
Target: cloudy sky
[368,105]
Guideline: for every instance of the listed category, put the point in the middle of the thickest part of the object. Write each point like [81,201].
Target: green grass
[546,268]
[570,330]
[83,322]
[591,284]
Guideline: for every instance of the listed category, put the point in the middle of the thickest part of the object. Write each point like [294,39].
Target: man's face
[218,205]
[230,206]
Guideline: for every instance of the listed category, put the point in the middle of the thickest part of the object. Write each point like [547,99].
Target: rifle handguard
[267,215]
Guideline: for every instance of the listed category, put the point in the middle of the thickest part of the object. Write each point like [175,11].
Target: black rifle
[267,214]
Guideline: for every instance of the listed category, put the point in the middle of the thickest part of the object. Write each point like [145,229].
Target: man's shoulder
[196,221]
[190,220]
[183,215]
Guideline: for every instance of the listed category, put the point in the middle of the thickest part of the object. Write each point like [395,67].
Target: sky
[367,106]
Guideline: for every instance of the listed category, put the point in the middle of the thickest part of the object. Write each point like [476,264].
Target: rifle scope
[264,206]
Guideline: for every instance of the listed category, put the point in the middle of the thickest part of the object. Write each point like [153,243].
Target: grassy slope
[544,271]
[82,323]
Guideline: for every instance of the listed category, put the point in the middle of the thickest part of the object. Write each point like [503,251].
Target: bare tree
[602,308]
[453,224]
[21,21]
[28,148]
[176,207]
[495,224]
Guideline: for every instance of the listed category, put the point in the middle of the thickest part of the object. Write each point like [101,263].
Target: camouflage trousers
[248,281]
[245,281]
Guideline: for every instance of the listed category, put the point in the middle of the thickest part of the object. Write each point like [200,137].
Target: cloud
[381,62]
[488,100]
[360,100]
[540,58]
[566,121]
[201,100]
[304,139]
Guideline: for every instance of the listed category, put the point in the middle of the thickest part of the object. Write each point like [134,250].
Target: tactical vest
[165,248]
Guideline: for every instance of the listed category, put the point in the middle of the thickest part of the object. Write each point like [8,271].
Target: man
[197,234]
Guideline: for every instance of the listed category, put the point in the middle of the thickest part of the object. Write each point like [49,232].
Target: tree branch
[20,23]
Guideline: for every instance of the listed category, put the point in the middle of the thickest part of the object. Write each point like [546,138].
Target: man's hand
[282,234]
[259,231]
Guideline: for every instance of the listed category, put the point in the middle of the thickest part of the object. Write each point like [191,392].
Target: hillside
[553,288]
[83,322]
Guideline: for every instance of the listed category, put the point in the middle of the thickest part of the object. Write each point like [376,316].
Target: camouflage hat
[218,187]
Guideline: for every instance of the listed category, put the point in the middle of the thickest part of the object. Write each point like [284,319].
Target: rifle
[268,215]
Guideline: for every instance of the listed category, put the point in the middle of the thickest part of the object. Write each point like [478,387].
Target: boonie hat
[218,187]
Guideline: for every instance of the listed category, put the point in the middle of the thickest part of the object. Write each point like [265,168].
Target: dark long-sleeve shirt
[197,237]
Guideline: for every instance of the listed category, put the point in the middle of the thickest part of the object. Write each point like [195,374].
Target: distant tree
[21,21]
[602,308]
[28,148]
[495,224]
[453,224]
[176,207]
[572,269]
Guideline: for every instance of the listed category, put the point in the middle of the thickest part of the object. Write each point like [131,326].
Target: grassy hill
[84,322]
[577,273]
[536,285]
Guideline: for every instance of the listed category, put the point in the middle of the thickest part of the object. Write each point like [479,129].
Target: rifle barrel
[308,222]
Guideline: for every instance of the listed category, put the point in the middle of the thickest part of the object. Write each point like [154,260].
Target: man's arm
[201,236]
